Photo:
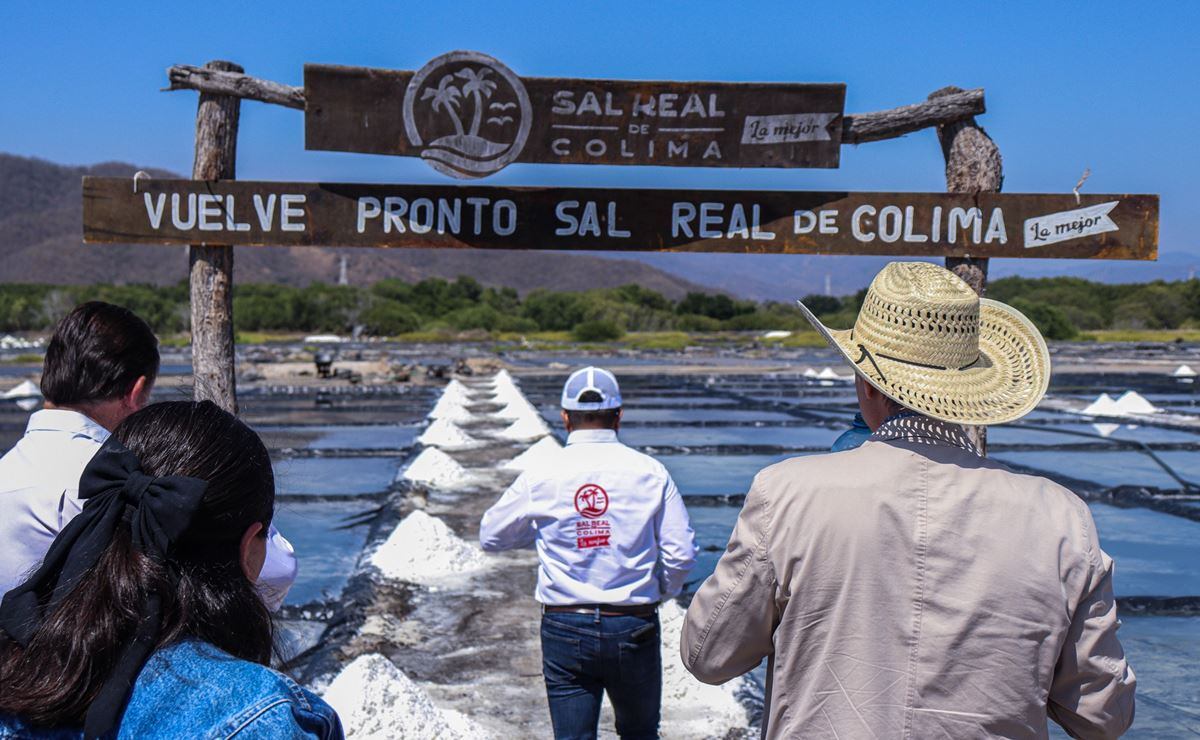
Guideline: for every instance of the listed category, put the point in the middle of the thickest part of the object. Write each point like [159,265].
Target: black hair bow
[159,510]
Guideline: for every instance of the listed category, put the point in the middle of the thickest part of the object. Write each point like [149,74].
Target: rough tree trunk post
[973,165]
[212,267]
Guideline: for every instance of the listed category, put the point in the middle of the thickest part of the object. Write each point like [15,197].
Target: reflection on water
[342,437]
[1156,554]
[803,437]
[326,554]
[1109,468]
[333,476]
[717,475]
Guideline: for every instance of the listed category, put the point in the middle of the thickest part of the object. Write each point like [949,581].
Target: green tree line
[1061,307]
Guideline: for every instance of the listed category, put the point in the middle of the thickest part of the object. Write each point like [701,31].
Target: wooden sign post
[468,116]
[620,219]
[211,267]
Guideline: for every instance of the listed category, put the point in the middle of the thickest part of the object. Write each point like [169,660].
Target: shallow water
[1155,553]
[334,476]
[341,437]
[326,549]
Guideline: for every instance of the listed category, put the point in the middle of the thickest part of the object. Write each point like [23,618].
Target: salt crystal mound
[810,373]
[450,408]
[1184,371]
[544,450]
[24,389]
[524,428]
[376,701]
[519,409]
[1104,405]
[696,709]
[423,550]
[1105,430]
[435,468]
[1132,402]
[445,433]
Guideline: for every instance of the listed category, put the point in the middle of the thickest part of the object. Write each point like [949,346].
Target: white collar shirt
[608,523]
[39,495]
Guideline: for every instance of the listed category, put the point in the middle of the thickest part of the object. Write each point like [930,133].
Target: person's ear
[617,421]
[139,394]
[253,551]
[566,420]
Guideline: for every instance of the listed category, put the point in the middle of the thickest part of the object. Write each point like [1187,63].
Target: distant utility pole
[343,277]
[828,284]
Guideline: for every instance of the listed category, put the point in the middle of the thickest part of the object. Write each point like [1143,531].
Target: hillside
[40,217]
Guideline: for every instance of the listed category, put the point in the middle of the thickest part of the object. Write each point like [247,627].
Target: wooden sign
[468,115]
[767,222]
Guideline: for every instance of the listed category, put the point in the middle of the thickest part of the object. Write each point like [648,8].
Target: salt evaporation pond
[1156,554]
[334,476]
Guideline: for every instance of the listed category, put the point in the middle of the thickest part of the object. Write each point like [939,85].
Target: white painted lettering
[154,211]
[856,223]
[755,231]
[829,222]
[368,207]
[710,215]
[890,223]
[393,210]
[613,231]
[910,219]
[504,217]
[209,209]
[682,215]
[995,229]
[287,212]
[803,221]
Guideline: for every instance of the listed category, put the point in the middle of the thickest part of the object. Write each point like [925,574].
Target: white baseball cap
[596,380]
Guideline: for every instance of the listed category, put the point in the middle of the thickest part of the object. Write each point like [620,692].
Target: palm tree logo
[475,118]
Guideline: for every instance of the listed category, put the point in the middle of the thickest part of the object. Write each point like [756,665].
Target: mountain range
[40,222]
[40,242]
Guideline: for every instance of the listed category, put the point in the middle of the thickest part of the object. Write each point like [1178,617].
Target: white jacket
[609,524]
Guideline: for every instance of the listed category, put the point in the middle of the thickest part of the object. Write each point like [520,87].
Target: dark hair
[97,353]
[55,678]
[605,419]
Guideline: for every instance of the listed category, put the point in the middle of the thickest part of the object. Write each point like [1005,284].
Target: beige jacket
[910,588]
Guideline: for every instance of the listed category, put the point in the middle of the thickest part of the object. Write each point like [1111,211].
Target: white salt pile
[546,448]
[450,405]
[1106,429]
[518,409]
[1184,371]
[436,468]
[445,433]
[28,393]
[422,549]
[692,708]
[810,373]
[828,374]
[376,701]
[1132,402]
[1104,405]
[526,427]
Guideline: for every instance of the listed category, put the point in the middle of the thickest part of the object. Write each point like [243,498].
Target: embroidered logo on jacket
[591,501]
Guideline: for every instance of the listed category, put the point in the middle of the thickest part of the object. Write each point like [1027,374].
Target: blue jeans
[584,655]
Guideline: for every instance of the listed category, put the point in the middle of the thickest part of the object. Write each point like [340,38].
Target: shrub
[1051,321]
[597,331]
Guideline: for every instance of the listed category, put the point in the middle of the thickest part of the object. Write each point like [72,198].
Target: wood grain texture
[973,165]
[233,84]
[615,219]
[211,267]
[860,128]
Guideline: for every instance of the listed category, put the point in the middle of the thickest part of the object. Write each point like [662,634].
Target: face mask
[278,571]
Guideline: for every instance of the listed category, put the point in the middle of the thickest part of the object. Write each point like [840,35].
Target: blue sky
[1110,86]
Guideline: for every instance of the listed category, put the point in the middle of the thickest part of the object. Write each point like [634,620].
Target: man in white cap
[911,587]
[613,540]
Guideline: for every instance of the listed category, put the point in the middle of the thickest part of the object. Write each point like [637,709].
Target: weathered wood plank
[861,128]
[973,165]
[468,115]
[233,84]
[764,222]
[211,267]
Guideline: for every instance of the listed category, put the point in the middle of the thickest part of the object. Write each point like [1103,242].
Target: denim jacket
[192,689]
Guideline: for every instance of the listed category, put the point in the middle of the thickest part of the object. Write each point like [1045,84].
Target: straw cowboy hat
[928,342]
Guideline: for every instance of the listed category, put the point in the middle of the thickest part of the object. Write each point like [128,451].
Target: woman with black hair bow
[143,619]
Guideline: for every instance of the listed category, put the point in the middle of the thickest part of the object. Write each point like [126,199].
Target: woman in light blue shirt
[143,619]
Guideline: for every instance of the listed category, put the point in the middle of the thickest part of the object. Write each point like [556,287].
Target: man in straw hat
[910,587]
